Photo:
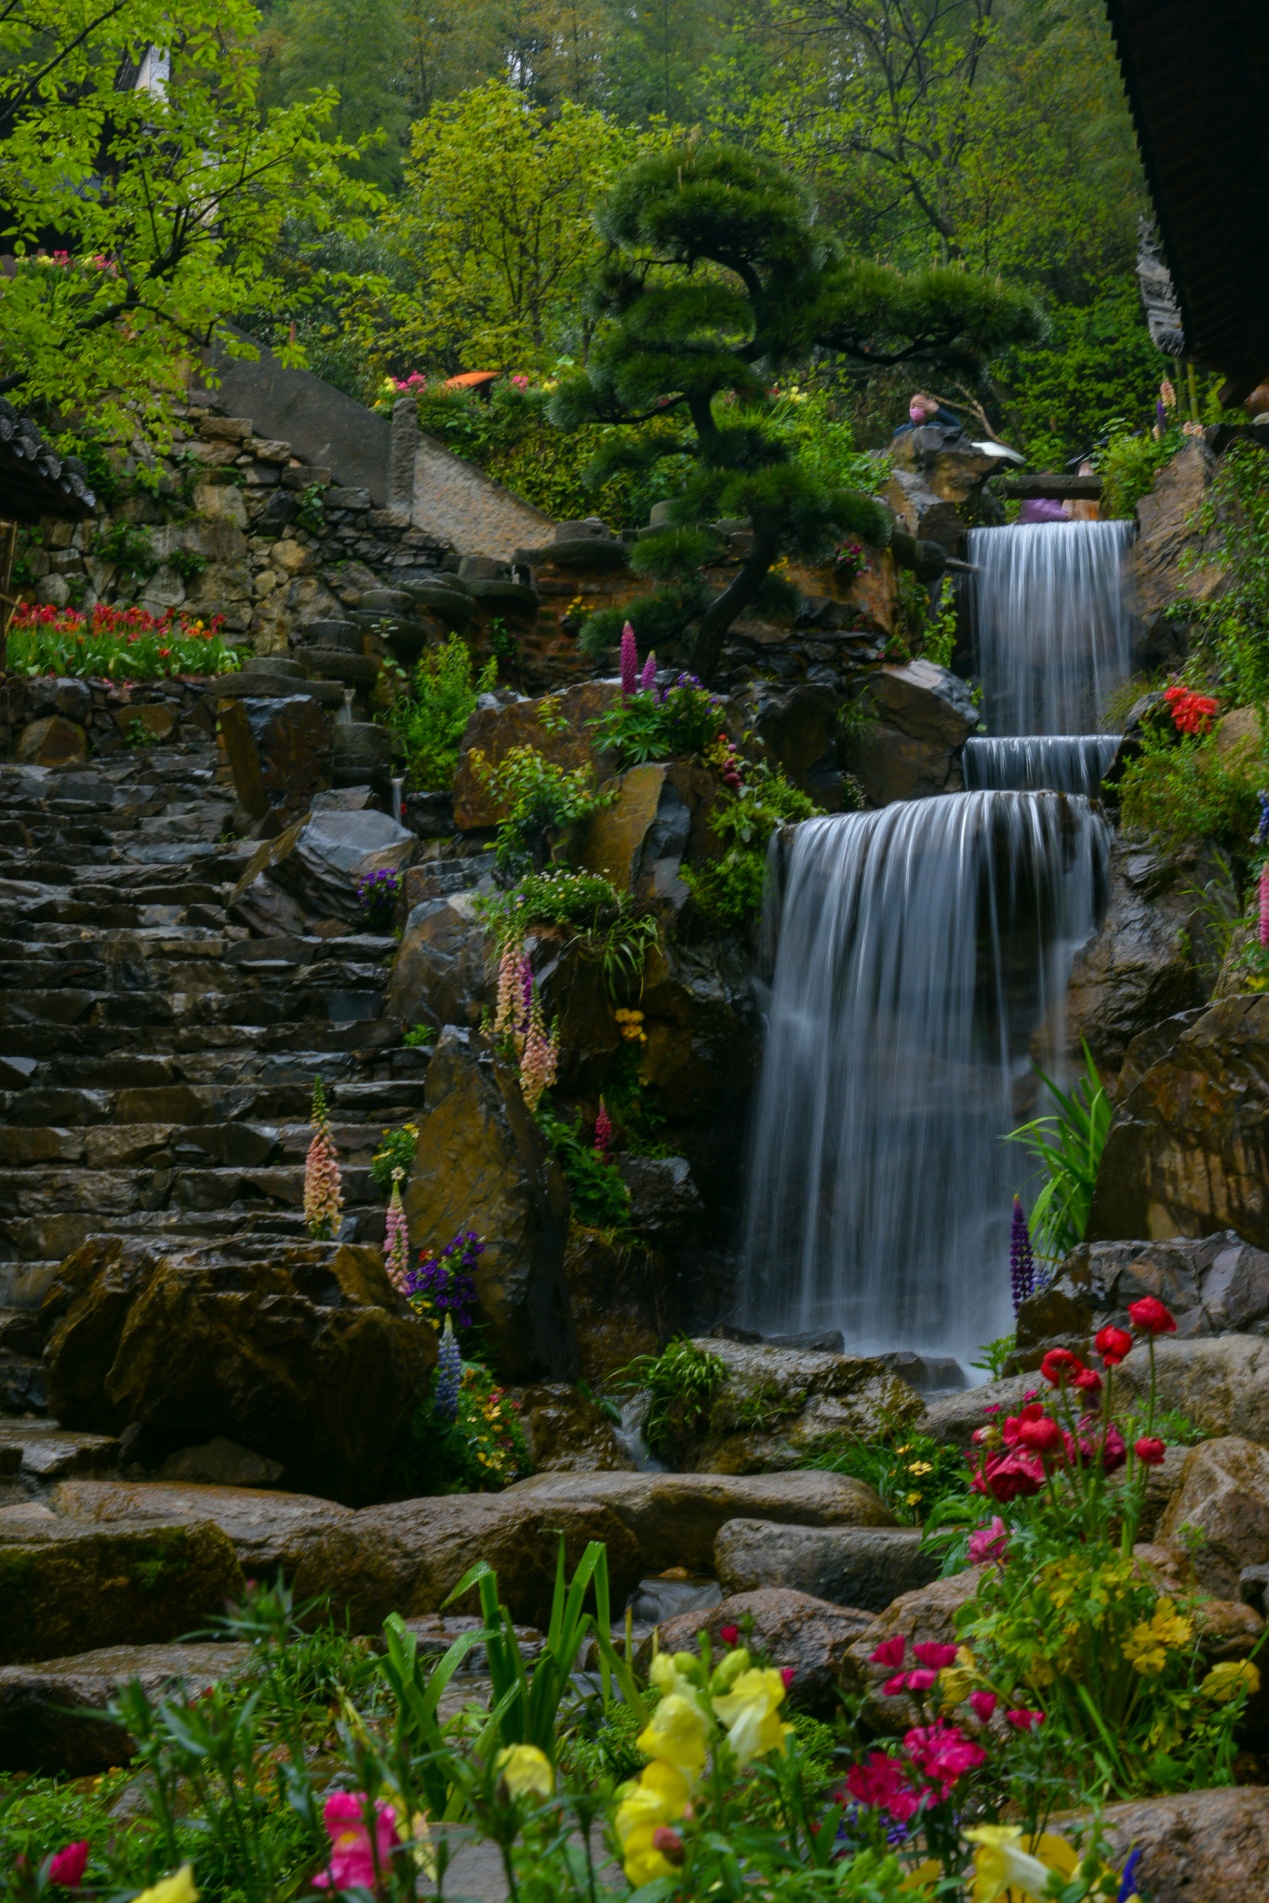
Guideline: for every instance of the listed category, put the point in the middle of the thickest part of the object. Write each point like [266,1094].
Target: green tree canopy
[722,280]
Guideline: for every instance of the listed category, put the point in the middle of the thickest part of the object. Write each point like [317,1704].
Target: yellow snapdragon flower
[526,1771]
[1225,1681]
[178,1888]
[749,1712]
[679,1733]
[659,1797]
[1004,1866]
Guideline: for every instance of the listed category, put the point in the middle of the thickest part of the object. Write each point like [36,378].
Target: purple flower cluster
[449,1375]
[446,1282]
[377,894]
[1022,1276]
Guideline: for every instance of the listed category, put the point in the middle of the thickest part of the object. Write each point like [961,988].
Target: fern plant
[1068,1146]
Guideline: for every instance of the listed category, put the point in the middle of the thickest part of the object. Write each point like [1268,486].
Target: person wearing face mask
[924,411]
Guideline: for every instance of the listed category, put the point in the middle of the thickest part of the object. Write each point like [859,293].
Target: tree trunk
[740,593]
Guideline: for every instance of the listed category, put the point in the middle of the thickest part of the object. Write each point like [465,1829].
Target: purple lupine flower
[377,894]
[1022,1280]
[648,678]
[449,1374]
[446,1280]
[629,662]
[1262,832]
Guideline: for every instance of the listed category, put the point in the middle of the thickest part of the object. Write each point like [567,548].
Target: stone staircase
[157,1060]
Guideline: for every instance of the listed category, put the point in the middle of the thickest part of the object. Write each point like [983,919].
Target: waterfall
[918,948]
[1064,763]
[1054,636]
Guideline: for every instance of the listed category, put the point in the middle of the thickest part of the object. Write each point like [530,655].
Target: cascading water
[918,948]
[1054,634]
[1063,763]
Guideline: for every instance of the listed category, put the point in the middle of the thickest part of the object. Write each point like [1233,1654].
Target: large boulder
[332,850]
[624,1301]
[796,1631]
[1174,559]
[279,751]
[1199,1847]
[1221,1385]
[797,728]
[657,821]
[1188,1149]
[866,1566]
[919,718]
[316,1546]
[441,973]
[498,725]
[567,1432]
[675,1518]
[1218,1285]
[779,1406]
[126,1584]
[481,1164]
[1150,957]
[52,1715]
[303,1352]
[1224,1494]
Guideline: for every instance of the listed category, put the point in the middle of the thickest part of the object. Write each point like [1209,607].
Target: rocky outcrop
[302,1352]
[1224,1495]
[1200,1847]
[779,1406]
[1221,1385]
[797,1632]
[1216,1286]
[624,1301]
[556,726]
[1153,955]
[62,1586]
[481,1164]
[280,751]
[916,720]
[1188,1149]
[567,1432]
[441,974]
[657,822]
[797,729]
[849,1565]
[52,1715]
[1173,559]
[675,1518]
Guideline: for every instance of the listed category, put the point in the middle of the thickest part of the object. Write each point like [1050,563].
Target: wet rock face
[795,1630]
[860,1566]
[777,1406]
[1167,536]
[1201,1847]
[568,1433]
[481,1164]
[797,727]
[441,973]
[1188,1150]
[1151,957]
[279,751]
[624,1301]
[302,1352]
[923,716]
[1219,1285]
[658,821]
[1224,1493]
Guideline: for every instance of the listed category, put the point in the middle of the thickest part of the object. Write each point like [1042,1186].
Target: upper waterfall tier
[1054,637]
[1062,763]
[919,948]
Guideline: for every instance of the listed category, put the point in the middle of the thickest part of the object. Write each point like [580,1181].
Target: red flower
[1024,1720]
[1088,1380]
[1151,1317]
[1009,1476]
[983,1704]
[1038,1432]
[670,1844]
[729,1634]
[1150,1451]
[890,1652]
[882,1784]
[788,1674]
[1114,1452]
[935,1656]
[1058,1364]
[1112,1344]
[68,1866]
[942,1753]
[908,1682]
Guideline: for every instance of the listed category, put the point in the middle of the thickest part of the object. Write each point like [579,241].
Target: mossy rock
[118,1585]
[780,1407]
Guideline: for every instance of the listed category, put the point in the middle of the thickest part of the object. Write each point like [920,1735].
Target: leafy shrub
[130,549]
[395,1152]
[115,644]
[418,1037]
[187,562]
[432,715]
[609,930]
[729,889]
[541,802]
[1178,790]
[680,1384]
[669,723]
[908,1470]
[597,1191]
[483,1451]
[1128,466]
[1068,1147]
[1229,633]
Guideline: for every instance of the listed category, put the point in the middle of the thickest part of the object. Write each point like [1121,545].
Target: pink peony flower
[68,1866]
[352,1859]
[988,1544]
[942,1753]
[1024,1720]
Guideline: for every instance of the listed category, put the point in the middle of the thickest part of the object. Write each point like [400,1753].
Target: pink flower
[983,1704]
[942,1753]
[987,1545]
[788,1674]
[1264,905]
[909,1682]
[729,1634]
[935,1656]
[890,1652]
[352,1859]
[1024,1720]
[648,678]
[629,662]
[1009,1476]
[68,1866]
[883,1784]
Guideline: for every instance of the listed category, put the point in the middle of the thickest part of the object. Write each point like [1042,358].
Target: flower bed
[115,644]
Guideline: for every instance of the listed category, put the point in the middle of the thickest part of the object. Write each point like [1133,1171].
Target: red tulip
[1150,1451]
[1112,1344]
[1150,1315]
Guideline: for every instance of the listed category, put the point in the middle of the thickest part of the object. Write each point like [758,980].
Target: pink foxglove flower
[629,662]
[323,1193]
[1264,905]
[396,1236]
[603,1129]
[507,1013]
[539,1059]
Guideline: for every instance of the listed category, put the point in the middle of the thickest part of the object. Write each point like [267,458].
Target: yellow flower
[749,1712]
[174,1889]
[1224,1682]
[919,1467]
[525,1770]
[660,1797]
[928,1872]
[1147,1645]
[955,1686]
[678,1732]
[912,1499]
[1004,1867]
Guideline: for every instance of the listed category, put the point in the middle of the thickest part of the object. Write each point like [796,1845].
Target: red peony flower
[1009,1476]
[1088,1381]
[1059,1365]
[1149,1450]
[1041,1434]
[1112,1344]
[890,1652]
[942,1753]
[1151,1317]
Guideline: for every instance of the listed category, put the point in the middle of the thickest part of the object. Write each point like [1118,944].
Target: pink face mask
[916,412]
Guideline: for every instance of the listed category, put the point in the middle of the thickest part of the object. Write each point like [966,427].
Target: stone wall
[458,503]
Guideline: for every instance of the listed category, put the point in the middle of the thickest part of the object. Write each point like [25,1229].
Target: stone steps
[157,1061]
